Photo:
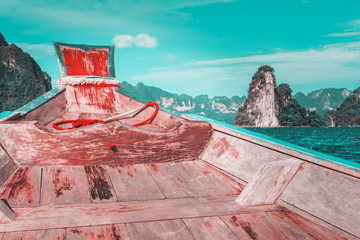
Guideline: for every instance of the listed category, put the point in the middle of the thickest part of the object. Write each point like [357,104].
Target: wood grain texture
[49,234]
[5,172]
[100,185]
[104,232]
[64,185]
[22,189]
[192,179]
[172,179]
[209,181]
[169,229]
[269,182]
[48,111]
[29,145]
[328,195]
[209,228]
[277,225]
[238,157]
[47,217]
[133,182]
[6,212]
[92,99]
[4,158]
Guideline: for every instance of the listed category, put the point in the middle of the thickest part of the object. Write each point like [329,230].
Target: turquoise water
[342,142]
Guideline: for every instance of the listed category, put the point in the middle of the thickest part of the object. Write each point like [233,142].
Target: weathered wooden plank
[172,179]
[209,228]
[7,167]
[4,158]
[238,157]
[100,186]
[114,231]
[169,229]
[64,185]
[49,234]
[209,181]
[133,182]
[46,217]
[326,194]
[28,145]
[48,111]
[6,212]
[22,189]
[277,225]
[6,172]
[269,182]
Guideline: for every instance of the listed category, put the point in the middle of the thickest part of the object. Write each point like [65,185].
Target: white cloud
[170,57]
[331,65]
[123,41]
[146,41]
[141,40]
[344,34]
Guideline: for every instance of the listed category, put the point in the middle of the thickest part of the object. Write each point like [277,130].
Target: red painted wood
[209,228]
[6,171]
[169,229]
[277,225]
[191,179]
[50,234]
[209,181]
[172,179]
[133,182]
[100,185]
[91,98]
[64,185]
[269,182]
[28,145]
[114,231]
[22,189]
[91,62]
[47,217]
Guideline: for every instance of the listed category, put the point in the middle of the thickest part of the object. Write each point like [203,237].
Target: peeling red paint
[221,147]
[99,186]
[153,167]
[92,95]
[92,62]
[61,182]
[19,190]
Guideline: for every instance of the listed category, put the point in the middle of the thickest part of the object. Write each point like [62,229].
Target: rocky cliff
[271,106]
[323,100]
[218,108]
[21,79]
[347,114]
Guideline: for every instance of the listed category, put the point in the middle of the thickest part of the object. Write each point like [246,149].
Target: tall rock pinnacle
[260,107]
[271,106]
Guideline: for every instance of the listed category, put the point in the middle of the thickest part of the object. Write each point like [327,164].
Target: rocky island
[348,114]
[21,79]
[270,106]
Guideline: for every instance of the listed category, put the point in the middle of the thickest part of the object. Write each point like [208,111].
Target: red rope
[76,123]
[152,104]
[85,122]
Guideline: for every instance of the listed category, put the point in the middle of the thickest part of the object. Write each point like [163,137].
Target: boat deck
[176,200]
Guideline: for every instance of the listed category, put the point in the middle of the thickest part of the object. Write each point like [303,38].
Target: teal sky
[199,47]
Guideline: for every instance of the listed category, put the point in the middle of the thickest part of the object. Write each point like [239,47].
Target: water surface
[342,142]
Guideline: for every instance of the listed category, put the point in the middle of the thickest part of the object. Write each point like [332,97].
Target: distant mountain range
[323,100]
[220,108]
[223,108]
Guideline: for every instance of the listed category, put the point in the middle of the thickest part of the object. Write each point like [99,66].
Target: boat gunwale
[338,164]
